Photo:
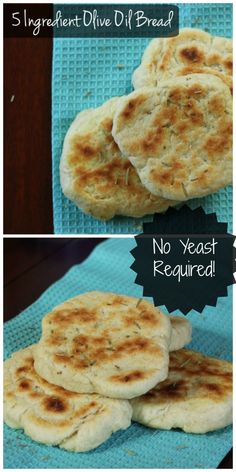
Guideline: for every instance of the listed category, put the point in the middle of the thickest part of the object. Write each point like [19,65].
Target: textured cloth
[108,268]
[87,72]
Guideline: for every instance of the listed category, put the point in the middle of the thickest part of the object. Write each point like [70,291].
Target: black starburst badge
[184,259]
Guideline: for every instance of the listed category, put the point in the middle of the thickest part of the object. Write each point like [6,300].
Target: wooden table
[27,139]
[32,264]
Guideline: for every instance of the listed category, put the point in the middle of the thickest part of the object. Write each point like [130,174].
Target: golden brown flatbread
[193,51]
[178,136]
[196,396]
[106,343]
[95,175]
[54,416]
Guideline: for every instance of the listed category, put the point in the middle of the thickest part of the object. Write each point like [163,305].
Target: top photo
[113,113]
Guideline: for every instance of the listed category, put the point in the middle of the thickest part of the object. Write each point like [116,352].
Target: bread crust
[192,51]
[196,396]
[106,343]
[94,174]
[54,416]
[178,136]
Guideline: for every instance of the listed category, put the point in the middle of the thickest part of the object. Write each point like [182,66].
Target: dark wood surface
[32,264]
[27,140]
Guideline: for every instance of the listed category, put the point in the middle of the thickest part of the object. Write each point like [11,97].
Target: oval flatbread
[54,416]
[178,136]
[192,51]
[94,174]
[196,396]
[106,343]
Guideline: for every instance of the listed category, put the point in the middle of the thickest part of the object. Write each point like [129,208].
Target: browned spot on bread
[136,345]
[175,94]
[167,176]
[78,315]
[167,391]
[214,389]
[213,59]
[132,106]
[61,392]
[109,138]
[23,369]
[36,395]
[55,404]
[149,318]
[228,64]
[154,139]
[176,390]
[81,364]
[50,425]
[182,127]
[216,105]
[188,97]
[105,351]
[81,342]
[193,69]
[196,91]
[9,394]
[86,150]
[24,385]
[54,340]
[85,316]
[107,124]
[118,300]
[207,370]
[133,376]
[83,149]
[99,340]
[130,320]
[85,410]
[191,55]
[114,146]
[61,359]
[106,177]
[29,360]
[204,377]
[218,143]
[60,317]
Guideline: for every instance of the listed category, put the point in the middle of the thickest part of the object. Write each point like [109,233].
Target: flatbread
[181,333]
[196,396]
[106,343]
[178,136]
[192,51]
[94,174]
[54,416]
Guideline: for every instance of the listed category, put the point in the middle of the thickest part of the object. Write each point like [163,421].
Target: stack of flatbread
[168,141]
[104,359]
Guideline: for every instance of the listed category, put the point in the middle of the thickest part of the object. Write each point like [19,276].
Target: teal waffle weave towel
[86,73]
[108,269]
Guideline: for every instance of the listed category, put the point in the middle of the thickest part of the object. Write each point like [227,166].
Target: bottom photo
[96,376]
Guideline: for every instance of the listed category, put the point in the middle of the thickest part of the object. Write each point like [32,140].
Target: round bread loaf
[94,174]
[54,416]
[106,343]
[196,396]
[192,51]
[178,136]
